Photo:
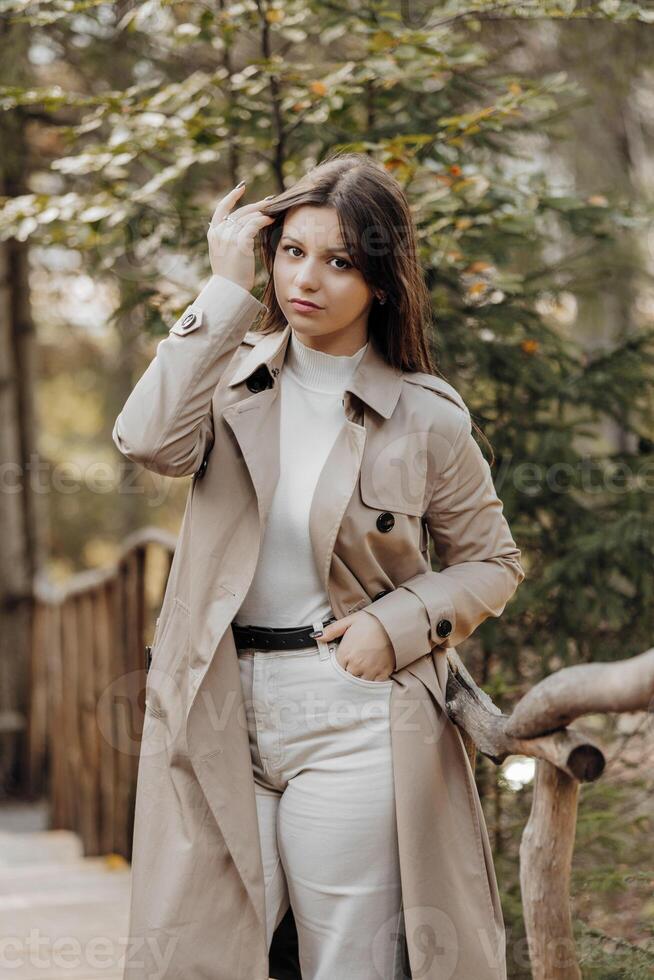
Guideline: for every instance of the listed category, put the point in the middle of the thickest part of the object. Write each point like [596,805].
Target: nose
[306,276]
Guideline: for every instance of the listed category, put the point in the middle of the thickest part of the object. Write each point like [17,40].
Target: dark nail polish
[316,633]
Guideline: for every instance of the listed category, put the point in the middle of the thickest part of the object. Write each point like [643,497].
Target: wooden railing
[88,678]
[86,685]
[539,727]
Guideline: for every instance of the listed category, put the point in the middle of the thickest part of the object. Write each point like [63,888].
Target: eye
[337,258]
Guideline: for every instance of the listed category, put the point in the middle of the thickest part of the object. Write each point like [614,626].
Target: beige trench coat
[208,405]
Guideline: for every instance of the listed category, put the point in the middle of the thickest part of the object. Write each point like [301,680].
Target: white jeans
[321,757]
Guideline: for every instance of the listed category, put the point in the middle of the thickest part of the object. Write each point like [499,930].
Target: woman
[299,775]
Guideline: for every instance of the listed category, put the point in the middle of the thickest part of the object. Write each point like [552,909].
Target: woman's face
[312,263]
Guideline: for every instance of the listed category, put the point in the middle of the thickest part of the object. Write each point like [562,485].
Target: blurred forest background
[523,135]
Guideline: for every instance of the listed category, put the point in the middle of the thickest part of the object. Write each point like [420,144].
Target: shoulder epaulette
[439,385]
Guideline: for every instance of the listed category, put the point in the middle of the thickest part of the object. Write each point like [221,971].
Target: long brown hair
[378,230]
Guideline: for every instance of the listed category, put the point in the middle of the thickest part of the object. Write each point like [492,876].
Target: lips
[304,304]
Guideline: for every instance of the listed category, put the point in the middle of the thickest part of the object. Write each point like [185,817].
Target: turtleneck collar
[320,371]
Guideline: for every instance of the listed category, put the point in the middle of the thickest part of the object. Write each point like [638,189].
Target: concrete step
[63,916]
[41,846]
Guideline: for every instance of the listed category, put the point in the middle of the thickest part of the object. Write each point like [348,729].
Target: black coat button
[385,522]
[199,473]
[444,627]
[380,594]
[259,380]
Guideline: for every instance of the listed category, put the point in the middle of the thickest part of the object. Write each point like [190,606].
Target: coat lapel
[335,486]
[255,423]
[377,386]
[255,420]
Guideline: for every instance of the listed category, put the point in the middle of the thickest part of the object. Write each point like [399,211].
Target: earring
[381,299]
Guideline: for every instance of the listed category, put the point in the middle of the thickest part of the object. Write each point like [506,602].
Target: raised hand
[231,242]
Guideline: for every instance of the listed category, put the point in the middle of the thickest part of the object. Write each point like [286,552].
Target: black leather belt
[275,638]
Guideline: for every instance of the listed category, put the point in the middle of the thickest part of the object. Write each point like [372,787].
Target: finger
[238,237]
[250,227]
[261,200]
[246,209]
[337,628]
[226,203]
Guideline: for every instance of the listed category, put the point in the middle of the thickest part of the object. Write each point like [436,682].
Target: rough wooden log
[545,860]
[625,685]
[537,727]
[474,712]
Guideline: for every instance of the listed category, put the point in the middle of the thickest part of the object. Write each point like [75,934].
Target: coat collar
[375,381]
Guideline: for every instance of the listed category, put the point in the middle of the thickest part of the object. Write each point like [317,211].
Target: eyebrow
[327,251]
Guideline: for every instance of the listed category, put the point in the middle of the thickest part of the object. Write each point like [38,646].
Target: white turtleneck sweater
[286,589]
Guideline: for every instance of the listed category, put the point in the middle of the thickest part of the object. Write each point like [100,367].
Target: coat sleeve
[166,423]
[480,563]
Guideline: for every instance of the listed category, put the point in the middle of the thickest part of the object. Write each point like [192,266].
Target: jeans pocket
[352,678]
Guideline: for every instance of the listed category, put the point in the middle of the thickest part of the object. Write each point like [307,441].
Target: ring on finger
[226,218]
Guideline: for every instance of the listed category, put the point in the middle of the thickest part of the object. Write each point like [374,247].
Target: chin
[304,324]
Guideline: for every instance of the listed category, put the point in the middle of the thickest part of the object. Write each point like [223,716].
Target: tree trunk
[19,523]
[545,859]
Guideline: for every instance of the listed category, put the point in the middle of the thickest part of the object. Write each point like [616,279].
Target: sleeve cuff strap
[404,615]
[221,289]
